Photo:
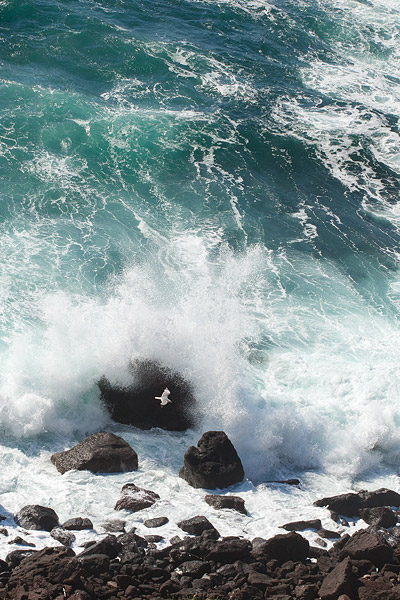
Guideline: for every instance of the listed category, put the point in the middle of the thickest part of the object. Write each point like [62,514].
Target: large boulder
[136,403]
[230,502]
[102,452]
[55,565]
[213,464]
[34,516]
[289,546]
[367,546]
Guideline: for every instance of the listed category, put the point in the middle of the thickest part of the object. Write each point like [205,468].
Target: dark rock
[337,582]
[378,589]
[131,542]
[14,558]
[101,452]
[77,524]
[381,497]
[380,516]
[61,535]
[328,534]
[156,522]
[195,525]
[232,502]
[36,517]
[137,405]
[303,525]
[21,542]
[306,592]
[194,568]
[344,504]
[289,546]
[55,565]
[259,580]
[229,549]
[94,564]
[3,531]
[134,498]
[114,526]
[213,464]
[286,481]
[153,539]
[108,545]
[367,546]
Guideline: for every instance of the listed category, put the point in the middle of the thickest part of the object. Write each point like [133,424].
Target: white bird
[164,397]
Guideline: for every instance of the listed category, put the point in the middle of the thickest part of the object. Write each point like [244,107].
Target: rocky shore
[200,563]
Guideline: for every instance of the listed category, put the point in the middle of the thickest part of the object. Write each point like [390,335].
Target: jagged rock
[229,549]
[61,535]
[19,541]
[194,568]
[231,502]
[114,526]
[101,452]
[77,524]
[343,504]
[213,464]
[156,522]
[14,558]
[136,404]
[303,525]
[94,564]
[337,582]
[134,498]
[289,546]
[381,497]
[153,539]
[35,516]
[196,525]
[328,534]
[109,546]
[367,546]
[55,565]
[380,516]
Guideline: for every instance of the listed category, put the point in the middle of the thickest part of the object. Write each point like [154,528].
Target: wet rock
[156,522]
[54,565]
[230,549]
[153,539]
[94,564]
[343,504]
[77,524]
[136,404]
[109,546]
[66,538]
[286,481]
[101,452]
[381,497]
[194,568]
[38,517]
[290,546]
[21,542]
[328,534]
[114,526]
[337,582]
[196,525]
[14,558]
[380,516]
[214,463]
[134,498]
[303,525]
[231,502]
[367,546]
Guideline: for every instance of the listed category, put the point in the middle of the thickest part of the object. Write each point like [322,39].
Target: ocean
[214,185]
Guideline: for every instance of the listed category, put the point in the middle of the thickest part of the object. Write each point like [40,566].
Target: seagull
[164,397]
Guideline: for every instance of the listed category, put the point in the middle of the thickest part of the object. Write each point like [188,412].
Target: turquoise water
[212,184]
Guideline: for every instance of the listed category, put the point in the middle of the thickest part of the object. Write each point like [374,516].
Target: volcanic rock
[229,549]
[196,525]
[156,522]
[101,452]
[337,582]
[66,538]
[77,524]
[136,404]
[344,504]
[303,525]
[289,546]
[114,526]
[367,546]
[135,498]
[55,565]
[213,464]
[231,502]
[380,516]
[34,516]
[109,546]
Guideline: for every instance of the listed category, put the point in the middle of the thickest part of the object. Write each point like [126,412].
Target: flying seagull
[164,397]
